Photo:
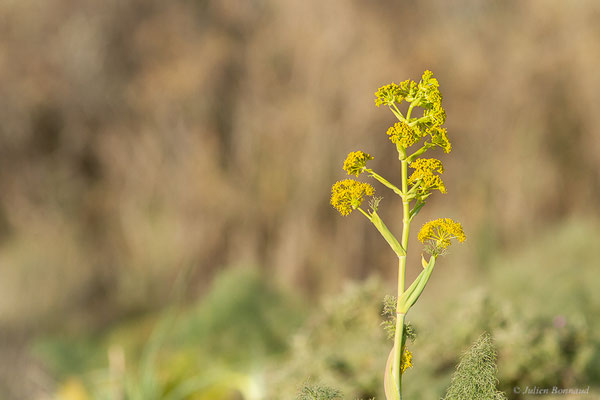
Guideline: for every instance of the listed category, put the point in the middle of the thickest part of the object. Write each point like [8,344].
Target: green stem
[398,337]
[398,350]
[409,111]
[397,112]
[405,221]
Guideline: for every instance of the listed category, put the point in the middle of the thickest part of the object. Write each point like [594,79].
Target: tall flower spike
[356,162]
[425,169]
[438,233]
[347,195]
[403,134]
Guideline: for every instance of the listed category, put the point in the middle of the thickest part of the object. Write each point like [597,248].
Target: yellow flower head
[388,95]
[406,361]
[433,113]
[429,87]
[347,195]
[403,134]
[429,91]
[439,232]
[439,138]
[425,169]
[356,162]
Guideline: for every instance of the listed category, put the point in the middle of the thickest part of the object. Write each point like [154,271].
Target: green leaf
[387,235]
[389,383]
[411,295]
[416,209]
[414,296]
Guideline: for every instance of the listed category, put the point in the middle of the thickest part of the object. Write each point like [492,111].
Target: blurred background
[165,171]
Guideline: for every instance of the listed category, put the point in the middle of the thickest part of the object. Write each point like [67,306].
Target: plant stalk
[398,337]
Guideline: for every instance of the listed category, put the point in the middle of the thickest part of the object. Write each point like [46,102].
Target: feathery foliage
[475,376]
[316,392]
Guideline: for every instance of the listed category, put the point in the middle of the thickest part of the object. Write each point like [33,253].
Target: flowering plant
[413,136]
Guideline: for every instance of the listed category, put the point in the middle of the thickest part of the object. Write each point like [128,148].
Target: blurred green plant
[475,376]
[207,351]
[144,381]
[340,344]
[542,340]
[315,392]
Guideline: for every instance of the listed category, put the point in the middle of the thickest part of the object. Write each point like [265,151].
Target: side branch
[384,181]
[385,232]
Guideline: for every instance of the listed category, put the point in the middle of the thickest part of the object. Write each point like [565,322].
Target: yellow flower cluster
[425,94]
[347,195]
[439,138]
[356,162]
[388,95]
[403,134]
[392,93]
[434,114]
[439,232]
[425,169]
[429,86]
[406,361]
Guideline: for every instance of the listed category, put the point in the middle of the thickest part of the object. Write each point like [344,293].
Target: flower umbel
[439,138]
[438,233]
[425,177]
[347,195]
[434,115]
[356,162]
[403,134]
[388,95]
